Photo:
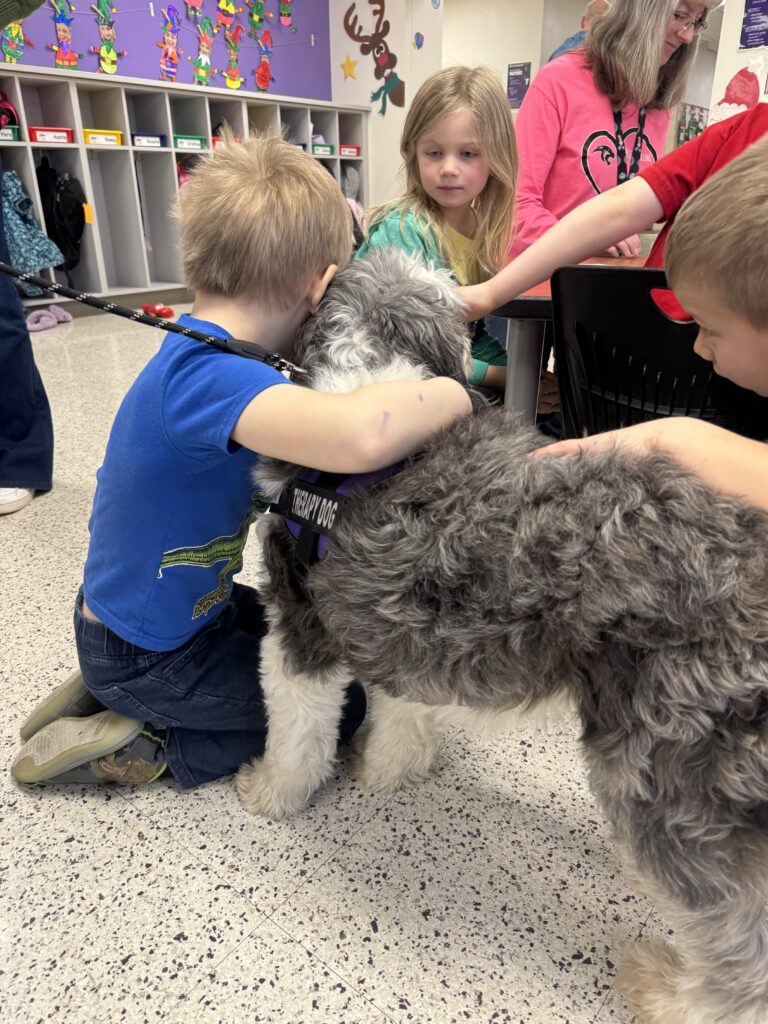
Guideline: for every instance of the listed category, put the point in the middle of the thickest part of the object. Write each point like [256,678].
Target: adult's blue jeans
[26,428]
[205,693]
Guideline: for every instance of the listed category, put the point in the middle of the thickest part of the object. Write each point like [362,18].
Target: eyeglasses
[685,21]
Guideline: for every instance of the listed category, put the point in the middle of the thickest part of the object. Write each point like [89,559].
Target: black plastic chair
[621,361]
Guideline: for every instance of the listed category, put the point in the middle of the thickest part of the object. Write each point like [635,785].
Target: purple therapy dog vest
[310,506]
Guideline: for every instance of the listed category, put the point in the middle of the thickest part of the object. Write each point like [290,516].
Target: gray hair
[624,47]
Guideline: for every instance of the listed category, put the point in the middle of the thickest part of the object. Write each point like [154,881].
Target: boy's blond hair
[261,218]
[718,239]
[624,47]
[479,91]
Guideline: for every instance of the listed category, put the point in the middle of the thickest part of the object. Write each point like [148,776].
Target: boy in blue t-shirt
[169,647]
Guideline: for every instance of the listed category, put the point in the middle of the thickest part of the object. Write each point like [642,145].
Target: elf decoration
[232,75]
[169,48]
[263,73]
[66,57]
[256,16]
[286,15]
[225,13]
[202,70]
[194,9]
[106,51]
[13,41]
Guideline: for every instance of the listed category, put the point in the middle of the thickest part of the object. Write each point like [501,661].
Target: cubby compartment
[48,104]
[102,108]
[87,275]
[332,166]
[10,86]
[19,159]
[117,213]
[324,125]
[190,120]
[295,125]
[351,171]
[351,135]
[263,118]
[227,112]
[158,189]
[149,118]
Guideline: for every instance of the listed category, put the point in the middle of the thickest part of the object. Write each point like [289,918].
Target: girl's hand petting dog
[477,301]
[725,461]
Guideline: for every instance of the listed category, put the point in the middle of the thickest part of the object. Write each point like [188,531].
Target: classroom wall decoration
[279,46]
[754,30]
[742,91]
[367,27]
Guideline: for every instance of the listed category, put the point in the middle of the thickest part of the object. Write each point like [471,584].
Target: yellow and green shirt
[404,232]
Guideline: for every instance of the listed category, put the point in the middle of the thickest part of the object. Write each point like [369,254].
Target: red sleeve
[681,172]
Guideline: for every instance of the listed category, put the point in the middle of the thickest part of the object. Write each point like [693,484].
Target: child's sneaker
[70,700]
[107,747]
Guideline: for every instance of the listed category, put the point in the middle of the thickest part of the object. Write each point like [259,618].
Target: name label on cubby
[149,141]
[188,142]
[97,137]
[40,134]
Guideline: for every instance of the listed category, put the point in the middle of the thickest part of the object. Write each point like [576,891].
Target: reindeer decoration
[384,60]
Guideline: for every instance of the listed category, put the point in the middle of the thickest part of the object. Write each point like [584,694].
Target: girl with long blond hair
[458,148]
[596,116]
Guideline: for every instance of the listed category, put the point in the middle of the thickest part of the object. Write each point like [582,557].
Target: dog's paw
[385,776]
[648,979]
[266,792]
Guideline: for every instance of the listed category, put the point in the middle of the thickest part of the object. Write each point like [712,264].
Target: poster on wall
[518,80]
[259,46]
[754,28]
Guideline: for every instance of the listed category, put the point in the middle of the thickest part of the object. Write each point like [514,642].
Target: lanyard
[621,149]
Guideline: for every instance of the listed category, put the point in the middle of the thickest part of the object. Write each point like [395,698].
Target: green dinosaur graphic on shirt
[228,550]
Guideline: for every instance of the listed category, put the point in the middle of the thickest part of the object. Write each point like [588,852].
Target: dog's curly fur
[479,576]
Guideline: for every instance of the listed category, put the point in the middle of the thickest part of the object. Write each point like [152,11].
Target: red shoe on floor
[157,309]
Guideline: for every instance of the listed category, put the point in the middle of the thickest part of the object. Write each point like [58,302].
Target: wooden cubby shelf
[132,242]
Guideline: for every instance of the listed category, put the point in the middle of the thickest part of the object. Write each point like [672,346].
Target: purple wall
[297,67]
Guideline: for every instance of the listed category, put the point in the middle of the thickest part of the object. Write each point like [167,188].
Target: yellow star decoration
[348,67]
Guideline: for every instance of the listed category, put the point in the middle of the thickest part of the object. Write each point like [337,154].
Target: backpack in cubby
[63,202]
[8,113]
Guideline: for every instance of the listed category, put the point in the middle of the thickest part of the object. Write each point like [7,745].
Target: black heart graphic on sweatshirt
[602,147]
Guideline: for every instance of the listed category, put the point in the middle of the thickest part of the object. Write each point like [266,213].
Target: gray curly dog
[480,577]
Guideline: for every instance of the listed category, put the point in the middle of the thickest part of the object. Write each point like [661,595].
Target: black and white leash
[247,349]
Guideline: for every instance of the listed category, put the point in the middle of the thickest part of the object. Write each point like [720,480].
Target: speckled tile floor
[491,894]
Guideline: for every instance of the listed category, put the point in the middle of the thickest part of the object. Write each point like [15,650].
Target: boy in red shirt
[716,266]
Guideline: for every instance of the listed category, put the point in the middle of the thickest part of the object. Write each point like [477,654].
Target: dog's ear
[413,308]
[308,335]
[388,305]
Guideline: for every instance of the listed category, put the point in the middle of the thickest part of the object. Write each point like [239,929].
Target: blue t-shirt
[174,496]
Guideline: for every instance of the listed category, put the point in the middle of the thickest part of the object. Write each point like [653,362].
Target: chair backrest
[620,360]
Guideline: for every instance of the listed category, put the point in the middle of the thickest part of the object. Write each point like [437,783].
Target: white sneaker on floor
[14,498]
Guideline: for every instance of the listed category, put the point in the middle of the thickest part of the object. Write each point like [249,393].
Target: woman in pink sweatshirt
[597,115]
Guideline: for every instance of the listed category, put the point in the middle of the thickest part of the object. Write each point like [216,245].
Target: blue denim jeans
[206,693]
[26,428]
